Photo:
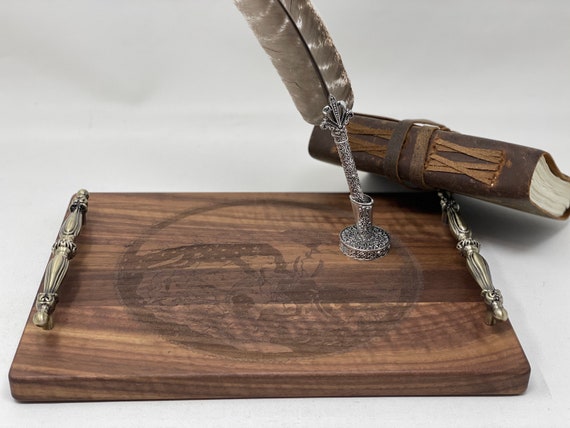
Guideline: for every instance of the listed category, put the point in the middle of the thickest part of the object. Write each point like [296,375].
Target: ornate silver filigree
[336,118]
[363,240]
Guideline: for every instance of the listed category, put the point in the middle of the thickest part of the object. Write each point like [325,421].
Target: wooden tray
[178,296]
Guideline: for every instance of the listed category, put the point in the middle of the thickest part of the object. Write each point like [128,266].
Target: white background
[172,95]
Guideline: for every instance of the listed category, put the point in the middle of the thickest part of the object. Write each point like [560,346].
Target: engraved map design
[263,281]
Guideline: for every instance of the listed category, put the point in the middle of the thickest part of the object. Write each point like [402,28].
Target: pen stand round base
[363,240]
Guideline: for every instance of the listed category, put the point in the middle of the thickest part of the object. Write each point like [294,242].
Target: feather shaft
[298,43]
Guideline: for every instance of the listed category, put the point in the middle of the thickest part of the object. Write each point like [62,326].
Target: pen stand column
[362,240]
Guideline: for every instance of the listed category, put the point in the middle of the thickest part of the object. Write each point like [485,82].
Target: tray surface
[175,296]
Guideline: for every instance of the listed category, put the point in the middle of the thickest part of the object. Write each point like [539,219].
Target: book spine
[429,157]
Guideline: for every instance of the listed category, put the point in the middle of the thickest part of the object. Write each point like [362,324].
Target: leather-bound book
[425,155]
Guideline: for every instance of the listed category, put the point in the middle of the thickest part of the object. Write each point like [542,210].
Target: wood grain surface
[179,296]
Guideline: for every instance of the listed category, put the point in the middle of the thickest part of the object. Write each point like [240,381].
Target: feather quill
[298,43]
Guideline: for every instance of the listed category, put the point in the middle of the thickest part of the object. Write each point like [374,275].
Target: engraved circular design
[268,282]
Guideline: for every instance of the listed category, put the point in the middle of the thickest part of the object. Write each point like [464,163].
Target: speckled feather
[299,45]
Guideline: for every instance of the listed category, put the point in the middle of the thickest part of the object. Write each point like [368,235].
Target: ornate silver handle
[62,251]
[476,264]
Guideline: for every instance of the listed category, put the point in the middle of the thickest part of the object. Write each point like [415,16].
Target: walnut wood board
[182,296]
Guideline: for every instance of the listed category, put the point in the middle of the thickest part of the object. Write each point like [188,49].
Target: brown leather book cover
[427,156]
